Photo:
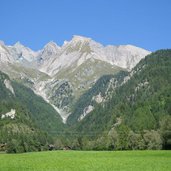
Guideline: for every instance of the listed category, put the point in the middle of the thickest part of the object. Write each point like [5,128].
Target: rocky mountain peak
[18,45]
[51,48]
[51,45]
[77,38]
[19,50]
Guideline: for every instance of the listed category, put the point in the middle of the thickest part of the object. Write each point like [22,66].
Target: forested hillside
[25,118]
[139,113]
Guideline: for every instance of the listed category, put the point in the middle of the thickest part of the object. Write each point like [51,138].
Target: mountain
[16,54]
[23,52]
[62,74]
[80,49]
[130,110]
[109,97]
[77,65]
[5,56]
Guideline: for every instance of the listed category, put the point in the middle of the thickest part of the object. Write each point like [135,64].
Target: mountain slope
[97,95]
[17,132]
[77,65]
[25,118]
[71,83]
[140,103]
[43,114]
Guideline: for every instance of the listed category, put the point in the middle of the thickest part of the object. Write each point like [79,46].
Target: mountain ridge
[20,52]
[70,69]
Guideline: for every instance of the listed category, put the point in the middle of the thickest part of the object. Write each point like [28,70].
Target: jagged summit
[76,39]
[77,42]
[52,58]
[19,51]
[18,44]
[80,38]
[51,44]
[51,48]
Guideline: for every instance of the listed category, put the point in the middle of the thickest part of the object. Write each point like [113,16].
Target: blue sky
[144,23]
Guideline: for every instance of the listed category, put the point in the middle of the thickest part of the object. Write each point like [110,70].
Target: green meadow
[87,161]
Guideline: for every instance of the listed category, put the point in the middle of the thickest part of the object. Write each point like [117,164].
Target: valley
[84,95]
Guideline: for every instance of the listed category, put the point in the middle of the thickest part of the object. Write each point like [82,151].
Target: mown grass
[87,161]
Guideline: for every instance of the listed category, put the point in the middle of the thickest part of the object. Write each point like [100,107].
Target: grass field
[87,161]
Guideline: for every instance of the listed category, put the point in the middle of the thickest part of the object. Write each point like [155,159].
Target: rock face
[80,49]
[61,74]
[9,86]
[10,114]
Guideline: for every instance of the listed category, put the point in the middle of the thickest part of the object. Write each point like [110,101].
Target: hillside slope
[25,118]
[142,102]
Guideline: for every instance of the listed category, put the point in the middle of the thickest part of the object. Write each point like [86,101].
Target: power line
[78,134]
